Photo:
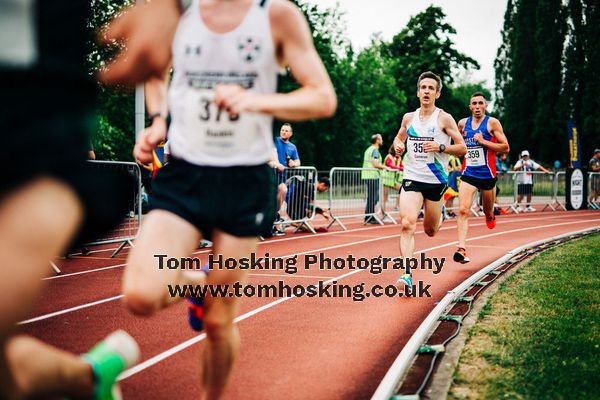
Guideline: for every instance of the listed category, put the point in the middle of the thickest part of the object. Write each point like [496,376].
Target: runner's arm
[498,132]
[148,30]
[156,103]
[402,134]
[449,126]
[461,126]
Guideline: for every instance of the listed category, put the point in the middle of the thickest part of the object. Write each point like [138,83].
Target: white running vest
[418,165]
[200,133]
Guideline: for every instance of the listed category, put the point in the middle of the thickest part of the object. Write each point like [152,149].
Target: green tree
[368,98]
[574,63]
[520,93]
[502,63]
[590,81]
[462,92]
[115,134]
[548,124]
[426,44]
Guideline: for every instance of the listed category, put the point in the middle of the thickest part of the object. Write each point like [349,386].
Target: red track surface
[298,348]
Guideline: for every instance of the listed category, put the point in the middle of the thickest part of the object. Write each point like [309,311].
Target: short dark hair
[477,94]
[374,137]
[431,75]
[325,180]
[289,125]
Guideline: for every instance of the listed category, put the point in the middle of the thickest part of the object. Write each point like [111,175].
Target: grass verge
[539,335]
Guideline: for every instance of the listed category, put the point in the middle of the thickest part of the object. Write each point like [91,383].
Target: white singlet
[200,133]
[420,166]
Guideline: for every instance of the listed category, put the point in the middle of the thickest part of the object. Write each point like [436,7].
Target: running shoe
[518,208]
[277,232]
[108,359]
[460,256]
[490,221]
[196,308]
[530,209]
[405,280]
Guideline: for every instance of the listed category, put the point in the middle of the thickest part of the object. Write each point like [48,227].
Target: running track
[292,348]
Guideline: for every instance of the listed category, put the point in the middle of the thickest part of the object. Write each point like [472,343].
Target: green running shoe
[405,280]
[108,359]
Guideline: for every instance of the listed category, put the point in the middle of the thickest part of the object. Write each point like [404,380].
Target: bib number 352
[416,147]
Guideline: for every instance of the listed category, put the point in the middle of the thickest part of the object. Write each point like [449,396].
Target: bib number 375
[213,128]
[208,110]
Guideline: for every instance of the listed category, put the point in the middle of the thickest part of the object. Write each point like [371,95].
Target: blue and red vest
[485,167]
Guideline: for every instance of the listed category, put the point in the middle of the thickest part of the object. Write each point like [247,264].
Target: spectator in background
[279,169]
[301,198]
[372,159]
[595,180]
[392,178]
[454,172]
[287,155]
[525,179]
[501,167]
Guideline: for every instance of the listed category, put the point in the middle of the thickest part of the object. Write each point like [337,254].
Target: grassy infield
[539,336]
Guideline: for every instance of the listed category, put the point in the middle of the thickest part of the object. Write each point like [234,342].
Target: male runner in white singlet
[427,133]
[226,56]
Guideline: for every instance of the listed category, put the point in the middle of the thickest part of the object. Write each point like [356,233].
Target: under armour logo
[192,50]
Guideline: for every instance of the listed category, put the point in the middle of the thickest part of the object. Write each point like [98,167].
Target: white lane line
[69,310]
[190,342]
[350,244]
[291,276]
[514,219]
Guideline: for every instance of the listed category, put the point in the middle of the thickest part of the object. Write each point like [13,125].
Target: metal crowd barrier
[128,229]
[298,208]
[390,195]
[535,184]
[559,198]
[593,186]
[354,192]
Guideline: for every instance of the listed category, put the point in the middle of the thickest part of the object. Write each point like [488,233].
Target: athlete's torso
[480,161]
[418,165]
[200,133]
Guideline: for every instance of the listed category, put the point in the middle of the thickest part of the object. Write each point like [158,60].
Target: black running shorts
[430,191]
[237,200]
[481,184]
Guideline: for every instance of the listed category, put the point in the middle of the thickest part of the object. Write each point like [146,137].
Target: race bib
[475,157]
[415,147]
[218,132]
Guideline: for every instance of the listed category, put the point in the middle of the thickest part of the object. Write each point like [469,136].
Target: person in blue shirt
[287,155]
[501,167]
